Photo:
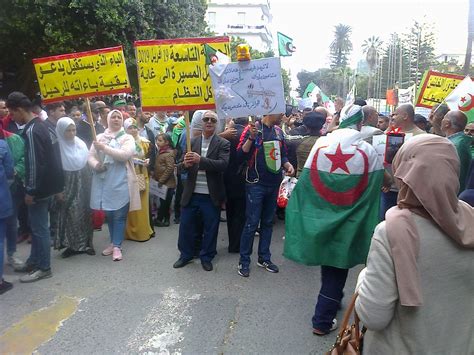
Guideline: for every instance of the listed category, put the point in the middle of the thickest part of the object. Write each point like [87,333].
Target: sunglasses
[207,119]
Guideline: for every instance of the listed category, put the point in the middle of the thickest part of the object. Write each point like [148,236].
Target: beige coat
[444,324]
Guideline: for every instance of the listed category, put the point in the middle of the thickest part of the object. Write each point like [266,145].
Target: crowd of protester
[59,181]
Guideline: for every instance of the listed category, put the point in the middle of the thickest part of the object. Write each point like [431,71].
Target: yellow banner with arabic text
[435,87]
[173,73]
[92,73]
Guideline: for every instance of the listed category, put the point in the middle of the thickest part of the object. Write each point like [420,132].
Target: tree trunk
[470,37]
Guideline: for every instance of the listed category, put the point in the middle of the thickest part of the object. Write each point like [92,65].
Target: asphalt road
[92,305]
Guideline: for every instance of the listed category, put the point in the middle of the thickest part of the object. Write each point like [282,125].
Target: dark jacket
[44,174]
[234,176]
[214,164]
[84,132]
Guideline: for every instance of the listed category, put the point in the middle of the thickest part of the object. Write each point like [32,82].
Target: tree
[470,38]
[372,48]
[256,54]
[32,29]
[341,46]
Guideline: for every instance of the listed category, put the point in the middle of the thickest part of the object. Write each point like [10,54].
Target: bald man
[404,118]
[369,124]
[452,126]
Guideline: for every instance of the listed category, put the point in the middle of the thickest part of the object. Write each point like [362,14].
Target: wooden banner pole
[90,119]
[188,132]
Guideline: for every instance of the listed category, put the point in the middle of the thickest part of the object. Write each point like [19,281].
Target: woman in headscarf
[416,294]
[75,216]
[138,222]
[114,182]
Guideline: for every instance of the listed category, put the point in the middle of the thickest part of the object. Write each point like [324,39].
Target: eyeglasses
[469,131]
[207,119]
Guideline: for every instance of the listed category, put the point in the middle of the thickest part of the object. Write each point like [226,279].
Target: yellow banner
[174,74]
[435,87]
[92,73]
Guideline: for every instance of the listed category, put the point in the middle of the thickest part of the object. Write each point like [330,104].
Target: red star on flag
[463,99]
[339,160]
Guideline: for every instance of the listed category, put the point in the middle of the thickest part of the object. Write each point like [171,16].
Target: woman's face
[133,130]
[115,121]
[70,132]
[161,142]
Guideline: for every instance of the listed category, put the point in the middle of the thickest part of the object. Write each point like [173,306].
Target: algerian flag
[334,208]
[214,56]
[285,45]
[309,89]
[350,98]
[326,101]
[272,156]
[462,98]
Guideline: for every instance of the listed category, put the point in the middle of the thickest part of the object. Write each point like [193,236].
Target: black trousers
[164,209]
[235,213]
[177,198]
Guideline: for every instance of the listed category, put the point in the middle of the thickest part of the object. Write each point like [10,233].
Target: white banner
[248,88]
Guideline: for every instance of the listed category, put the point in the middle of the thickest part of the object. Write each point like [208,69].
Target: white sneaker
[14,262]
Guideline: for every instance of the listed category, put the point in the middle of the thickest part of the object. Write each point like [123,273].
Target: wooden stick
[90,119]
[188,132]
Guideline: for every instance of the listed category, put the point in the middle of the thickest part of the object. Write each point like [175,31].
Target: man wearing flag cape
[333,211]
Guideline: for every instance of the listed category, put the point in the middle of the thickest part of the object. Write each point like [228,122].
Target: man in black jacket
[43,179]
[204,192]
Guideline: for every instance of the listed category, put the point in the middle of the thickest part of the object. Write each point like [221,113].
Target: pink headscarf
[426,170]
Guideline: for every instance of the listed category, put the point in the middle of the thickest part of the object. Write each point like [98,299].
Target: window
[211,20]
[241,18]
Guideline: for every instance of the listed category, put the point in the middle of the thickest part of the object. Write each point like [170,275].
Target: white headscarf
[74,153]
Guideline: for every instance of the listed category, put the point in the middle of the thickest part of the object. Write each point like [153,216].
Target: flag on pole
[462,98]
[334,208]
[285,45]
[350,98]
[309,89]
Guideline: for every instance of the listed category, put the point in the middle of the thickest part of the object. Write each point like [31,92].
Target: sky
[311,25]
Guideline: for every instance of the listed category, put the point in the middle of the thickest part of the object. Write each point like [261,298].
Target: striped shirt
[201,179]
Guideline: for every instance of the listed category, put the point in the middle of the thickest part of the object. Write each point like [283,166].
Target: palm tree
[470,38]
[371,47]
[341,46]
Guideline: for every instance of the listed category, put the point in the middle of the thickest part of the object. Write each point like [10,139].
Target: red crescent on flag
[468,107]
[289,47]
[272,154]
[345,198]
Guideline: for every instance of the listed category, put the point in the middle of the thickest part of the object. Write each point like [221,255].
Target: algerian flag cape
[462,98]
[334,208]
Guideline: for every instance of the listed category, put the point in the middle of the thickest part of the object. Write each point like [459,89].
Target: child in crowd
[164,174]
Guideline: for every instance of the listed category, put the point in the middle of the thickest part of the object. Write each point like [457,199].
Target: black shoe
[164,223]
[207,265]
[180,263]
[268,265]
[67,253]
[5,286]
[243,271]
[176,220]
[90,251]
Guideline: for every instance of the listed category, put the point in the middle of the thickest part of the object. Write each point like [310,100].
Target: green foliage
[334,82]
[32,29]
[341,46]
[256,54]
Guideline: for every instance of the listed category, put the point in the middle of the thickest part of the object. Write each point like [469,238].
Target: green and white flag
[272,156]
[462,98]
[309,89]
[334,208]
[285,45]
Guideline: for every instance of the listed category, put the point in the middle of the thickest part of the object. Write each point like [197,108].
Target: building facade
[249,19]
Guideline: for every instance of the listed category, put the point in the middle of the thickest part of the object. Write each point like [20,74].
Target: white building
[249,19]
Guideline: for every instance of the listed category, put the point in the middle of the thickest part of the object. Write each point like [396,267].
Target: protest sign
[83,74]
[249,88]
[435,87]
[173,73]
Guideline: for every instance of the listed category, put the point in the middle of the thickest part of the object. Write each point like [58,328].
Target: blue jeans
[199,203]
[387,201]
[117,220]
[40,255]
[3,228]
[261,203]
[333,281]
[12,224]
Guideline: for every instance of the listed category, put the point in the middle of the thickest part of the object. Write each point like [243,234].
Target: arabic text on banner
[173,73]
[249,88]
[435,87]
[92,73]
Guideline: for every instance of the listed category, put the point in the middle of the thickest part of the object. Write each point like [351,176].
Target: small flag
[350,98]
[462,98]
[285,45]
[309,89]
[214,56]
